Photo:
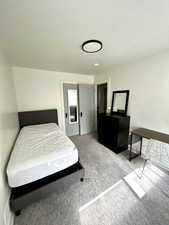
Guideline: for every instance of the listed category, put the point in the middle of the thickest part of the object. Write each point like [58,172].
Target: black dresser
[113,131]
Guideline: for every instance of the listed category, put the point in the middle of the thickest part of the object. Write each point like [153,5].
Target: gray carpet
[110,200]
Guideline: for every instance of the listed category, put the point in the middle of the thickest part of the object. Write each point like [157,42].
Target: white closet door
[87,108]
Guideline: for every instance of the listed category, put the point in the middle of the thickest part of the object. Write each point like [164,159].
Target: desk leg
[131,142]
[133,155]
[141,143]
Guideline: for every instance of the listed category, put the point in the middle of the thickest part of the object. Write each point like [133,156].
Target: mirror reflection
[119,102]
[73,105]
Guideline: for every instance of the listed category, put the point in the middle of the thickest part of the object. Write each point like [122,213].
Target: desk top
[151,134]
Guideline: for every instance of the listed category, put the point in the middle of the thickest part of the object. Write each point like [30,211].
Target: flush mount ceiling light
[92,46]
[96,64]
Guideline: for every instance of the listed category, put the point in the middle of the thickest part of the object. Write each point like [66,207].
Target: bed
[43,159]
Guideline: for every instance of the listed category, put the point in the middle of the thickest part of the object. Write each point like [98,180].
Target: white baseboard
[8,216]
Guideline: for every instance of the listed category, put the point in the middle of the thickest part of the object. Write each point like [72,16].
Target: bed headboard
[37,117]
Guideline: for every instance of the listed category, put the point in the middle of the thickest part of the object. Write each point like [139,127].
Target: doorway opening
[101,101]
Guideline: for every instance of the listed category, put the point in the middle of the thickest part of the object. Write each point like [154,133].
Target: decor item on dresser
[113,130]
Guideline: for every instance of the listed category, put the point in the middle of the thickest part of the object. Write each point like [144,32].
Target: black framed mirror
[120,102]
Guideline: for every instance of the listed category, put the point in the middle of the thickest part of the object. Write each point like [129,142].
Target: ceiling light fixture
[96,64]
[92,46]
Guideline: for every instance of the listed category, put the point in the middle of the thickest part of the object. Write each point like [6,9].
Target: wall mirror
[73,105]
[120,102]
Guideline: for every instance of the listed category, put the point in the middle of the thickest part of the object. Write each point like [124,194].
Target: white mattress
[39,151]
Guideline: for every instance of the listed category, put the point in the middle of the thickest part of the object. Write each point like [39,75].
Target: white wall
[148,81]
[8,131]
[41,89]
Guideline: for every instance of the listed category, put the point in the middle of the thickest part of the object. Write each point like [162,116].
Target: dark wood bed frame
[26,194]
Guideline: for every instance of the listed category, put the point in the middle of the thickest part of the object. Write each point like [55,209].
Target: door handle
[66,115]
[81,114]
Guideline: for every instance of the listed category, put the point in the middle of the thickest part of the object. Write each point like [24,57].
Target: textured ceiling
[47,34]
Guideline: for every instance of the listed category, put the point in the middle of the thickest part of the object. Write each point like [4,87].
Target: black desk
[148,134]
